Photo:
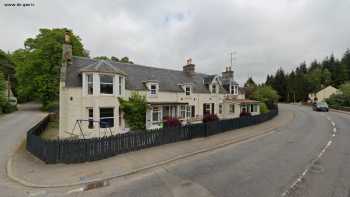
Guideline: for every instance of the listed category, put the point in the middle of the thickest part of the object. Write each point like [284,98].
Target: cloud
[265,34]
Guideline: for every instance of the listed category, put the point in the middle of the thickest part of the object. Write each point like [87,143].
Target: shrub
[171,122]
[339,100]
[134,111]
[52,106]
[263,108]
[8,108]
[265,94]
[210,118]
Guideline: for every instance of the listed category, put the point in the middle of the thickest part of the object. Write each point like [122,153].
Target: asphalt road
[295,160]
[13,128]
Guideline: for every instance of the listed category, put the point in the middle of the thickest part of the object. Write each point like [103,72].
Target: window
[234,89]
[166,112]
[120,116]
[90,84]
[193,111]
[220,108]
[253,108]
[206,108]
[120,84]
[91,118]
[106,84]
[189,111]
[106,117]
[183,111]
[153,89]
[213,88]
[232,108]
[156,114]
[188,90]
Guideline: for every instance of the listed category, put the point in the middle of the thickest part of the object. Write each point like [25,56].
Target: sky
[263,34]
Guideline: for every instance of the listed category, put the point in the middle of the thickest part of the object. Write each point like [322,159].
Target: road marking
[304,173]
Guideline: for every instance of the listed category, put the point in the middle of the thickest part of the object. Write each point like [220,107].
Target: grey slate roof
[102,66]
[169,80]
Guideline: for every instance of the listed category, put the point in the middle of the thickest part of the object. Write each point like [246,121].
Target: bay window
[106,84]
[90,84]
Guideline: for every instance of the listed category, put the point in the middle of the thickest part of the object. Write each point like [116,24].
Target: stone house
[89,90]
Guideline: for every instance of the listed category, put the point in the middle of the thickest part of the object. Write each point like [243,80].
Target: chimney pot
[189,69]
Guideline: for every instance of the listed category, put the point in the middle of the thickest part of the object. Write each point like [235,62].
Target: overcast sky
[266,34]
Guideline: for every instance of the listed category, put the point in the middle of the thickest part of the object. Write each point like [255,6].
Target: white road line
[302,175]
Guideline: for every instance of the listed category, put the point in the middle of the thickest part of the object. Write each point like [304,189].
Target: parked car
[320,106]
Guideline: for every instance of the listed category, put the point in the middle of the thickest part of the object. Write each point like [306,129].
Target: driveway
[13,128]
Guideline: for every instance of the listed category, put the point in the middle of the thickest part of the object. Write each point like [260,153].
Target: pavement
[30,171]
[13,128]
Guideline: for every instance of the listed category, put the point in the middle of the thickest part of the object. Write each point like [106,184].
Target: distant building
[324,94]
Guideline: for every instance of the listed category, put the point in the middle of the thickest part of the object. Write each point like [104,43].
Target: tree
[134,111]
[346,61]
[2,90]
[7,67]
[38,65]
[280,84]
[249,87]
[345,88]
[101,58]
[265,94]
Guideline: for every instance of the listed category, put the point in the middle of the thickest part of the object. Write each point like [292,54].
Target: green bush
[265,94]
[8,108]
[51,106]
[263,108]
[339,100]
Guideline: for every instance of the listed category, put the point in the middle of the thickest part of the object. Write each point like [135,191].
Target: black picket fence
[83,150]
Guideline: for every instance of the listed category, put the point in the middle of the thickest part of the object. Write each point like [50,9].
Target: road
[13,128]
[302,158]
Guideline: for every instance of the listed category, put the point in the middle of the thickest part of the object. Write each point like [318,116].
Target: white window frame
[120,80]
[220,108]
[232,108]
[188,90]
[107,117]
[88,83]
[183,111]
[189,111]
[234,89]
[107,84]
[156,109]
[151,93]
[214,90]
[90,118]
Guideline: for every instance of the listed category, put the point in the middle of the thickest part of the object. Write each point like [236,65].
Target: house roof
[101,66]
[136,75]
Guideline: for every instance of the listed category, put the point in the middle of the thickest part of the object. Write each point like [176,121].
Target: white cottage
[89,90]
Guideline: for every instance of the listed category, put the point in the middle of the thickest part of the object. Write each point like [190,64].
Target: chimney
[189,68]
[66,57]
[67,48]
[228,74]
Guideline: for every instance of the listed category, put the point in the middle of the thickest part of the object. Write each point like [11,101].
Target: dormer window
[153,89]
[106,84]
[234,89]
[188,90]
[213,88]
